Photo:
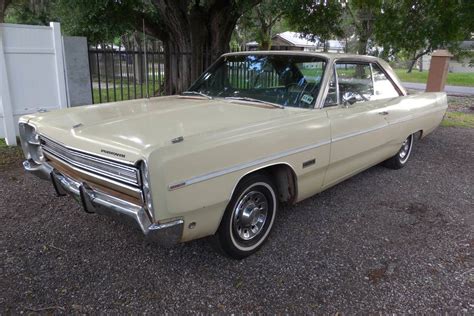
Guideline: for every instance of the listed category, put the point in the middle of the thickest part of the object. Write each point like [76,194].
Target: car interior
[293,81]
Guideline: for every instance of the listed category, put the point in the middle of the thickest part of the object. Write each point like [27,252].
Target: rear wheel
[249,217]
[400,159]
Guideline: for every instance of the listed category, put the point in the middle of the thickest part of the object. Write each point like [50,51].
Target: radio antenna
[146,61]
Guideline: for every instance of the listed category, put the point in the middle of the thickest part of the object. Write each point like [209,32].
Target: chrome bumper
[93,201]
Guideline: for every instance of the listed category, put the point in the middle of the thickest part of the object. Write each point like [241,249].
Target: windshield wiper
[197,93]
[276,105]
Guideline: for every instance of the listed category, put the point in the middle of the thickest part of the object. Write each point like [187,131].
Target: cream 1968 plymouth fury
[255,131]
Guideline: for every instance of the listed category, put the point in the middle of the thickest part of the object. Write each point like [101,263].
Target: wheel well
[284,178]
[419,134]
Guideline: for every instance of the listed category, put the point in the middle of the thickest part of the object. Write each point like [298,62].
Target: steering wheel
[298,87]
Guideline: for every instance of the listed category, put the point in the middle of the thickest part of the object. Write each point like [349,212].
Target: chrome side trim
[238,167]
[181,184]
[365,131]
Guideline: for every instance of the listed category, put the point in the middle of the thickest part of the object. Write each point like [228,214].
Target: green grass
[3,144]
[454,79]
[9,155]
[458,119]
[123,94]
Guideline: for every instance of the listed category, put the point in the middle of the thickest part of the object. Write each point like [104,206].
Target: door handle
[383,113]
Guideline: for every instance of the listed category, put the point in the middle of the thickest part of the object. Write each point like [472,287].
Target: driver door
[358,126]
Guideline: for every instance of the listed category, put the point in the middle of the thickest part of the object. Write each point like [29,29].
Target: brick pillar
[438,71]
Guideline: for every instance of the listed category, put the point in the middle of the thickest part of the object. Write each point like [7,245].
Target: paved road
[384,241]
[451,90]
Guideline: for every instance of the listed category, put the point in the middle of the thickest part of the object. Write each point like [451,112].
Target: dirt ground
[384,241]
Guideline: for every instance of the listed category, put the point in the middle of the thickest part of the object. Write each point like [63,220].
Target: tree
[316,19]
[201,28]
[363,15]
[267,14]
[417,27]
[35,12]
[261,23]
[3,8]
[195,30]
[336,19]
[101,21]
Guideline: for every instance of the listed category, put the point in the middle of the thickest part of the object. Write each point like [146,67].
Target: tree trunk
[416,57]
[412,64]
[325,45]
[193,37]
[364,35]
[364,29]
[265,38]
[362,46]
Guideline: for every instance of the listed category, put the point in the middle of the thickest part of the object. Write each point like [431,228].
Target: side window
[355,82]
[382,85]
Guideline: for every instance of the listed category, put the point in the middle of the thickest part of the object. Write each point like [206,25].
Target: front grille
[101,167]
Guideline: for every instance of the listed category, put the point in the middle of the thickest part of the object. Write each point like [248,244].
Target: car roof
[329,56]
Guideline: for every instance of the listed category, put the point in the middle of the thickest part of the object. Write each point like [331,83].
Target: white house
[296,41]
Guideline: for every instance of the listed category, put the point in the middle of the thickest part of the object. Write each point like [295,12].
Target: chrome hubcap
[405,147]
[250,215]
[405,150]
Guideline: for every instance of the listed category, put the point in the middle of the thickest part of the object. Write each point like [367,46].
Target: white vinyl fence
[31,73]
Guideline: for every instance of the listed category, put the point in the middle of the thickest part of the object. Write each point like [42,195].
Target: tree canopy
[321,19]
[102,21]
[412,27]
[421,26]
[27,12]
[198,30]
[202,29]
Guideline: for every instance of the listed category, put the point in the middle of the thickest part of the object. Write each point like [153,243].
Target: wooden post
[438,71]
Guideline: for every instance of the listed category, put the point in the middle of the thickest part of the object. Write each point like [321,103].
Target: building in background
[296,41]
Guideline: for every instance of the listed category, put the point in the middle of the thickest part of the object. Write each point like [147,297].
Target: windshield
[282,79]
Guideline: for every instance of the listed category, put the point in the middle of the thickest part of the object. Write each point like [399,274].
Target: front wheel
[249,217]
[400,159]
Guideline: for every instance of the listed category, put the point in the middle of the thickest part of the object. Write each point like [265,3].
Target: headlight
[30,143]
[146,188]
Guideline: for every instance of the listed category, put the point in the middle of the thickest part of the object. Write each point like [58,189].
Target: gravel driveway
[383,241]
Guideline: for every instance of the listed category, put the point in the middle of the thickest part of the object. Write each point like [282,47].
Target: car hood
[132,128]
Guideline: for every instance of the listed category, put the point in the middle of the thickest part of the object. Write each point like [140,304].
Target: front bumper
[94,201]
